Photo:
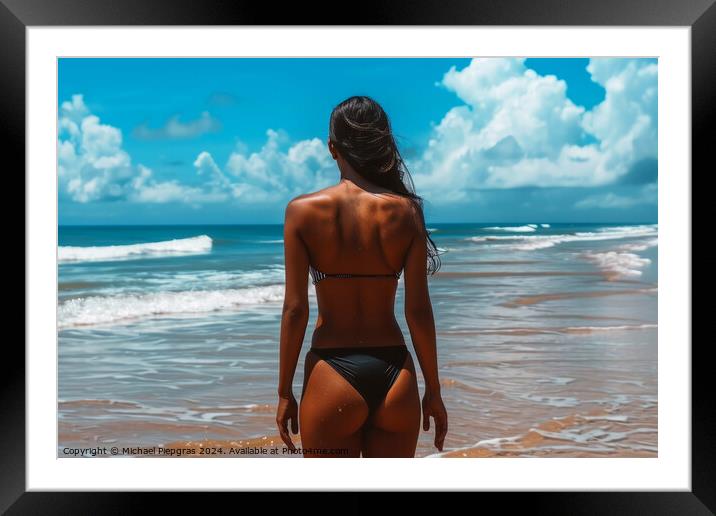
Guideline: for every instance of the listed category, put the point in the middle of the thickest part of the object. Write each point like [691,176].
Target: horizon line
[281,224]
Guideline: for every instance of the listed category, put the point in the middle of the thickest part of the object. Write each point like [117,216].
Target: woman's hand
[433,406]
[287,410]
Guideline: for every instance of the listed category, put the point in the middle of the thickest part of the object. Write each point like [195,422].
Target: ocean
[546,335]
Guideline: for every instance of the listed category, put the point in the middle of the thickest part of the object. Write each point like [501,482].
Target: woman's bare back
[350,230]
[358,228]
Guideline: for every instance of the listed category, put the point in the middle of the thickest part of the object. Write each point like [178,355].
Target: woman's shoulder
[311,201]
[309,207]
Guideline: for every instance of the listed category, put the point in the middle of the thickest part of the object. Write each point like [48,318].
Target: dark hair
[361,131]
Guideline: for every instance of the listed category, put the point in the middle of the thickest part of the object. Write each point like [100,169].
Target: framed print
[435,232]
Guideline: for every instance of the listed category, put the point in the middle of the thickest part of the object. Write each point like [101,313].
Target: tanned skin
[361,228]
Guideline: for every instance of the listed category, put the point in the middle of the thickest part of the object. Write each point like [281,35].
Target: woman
[360,394]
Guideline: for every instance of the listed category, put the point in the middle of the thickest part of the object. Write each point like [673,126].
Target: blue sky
[191,141]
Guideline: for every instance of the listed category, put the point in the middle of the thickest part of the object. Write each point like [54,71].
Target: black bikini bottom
[372,370]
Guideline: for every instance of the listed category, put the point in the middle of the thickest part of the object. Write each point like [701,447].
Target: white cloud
[518,128]
[175,129]
[626,122]
[93,166]
[217,182]
[272,174]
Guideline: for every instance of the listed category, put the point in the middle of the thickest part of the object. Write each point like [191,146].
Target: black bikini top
[318,275]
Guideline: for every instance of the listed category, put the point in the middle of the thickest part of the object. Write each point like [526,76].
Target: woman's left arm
[294,318]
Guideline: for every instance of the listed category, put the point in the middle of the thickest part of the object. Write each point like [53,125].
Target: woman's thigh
[331,413]
[395,425]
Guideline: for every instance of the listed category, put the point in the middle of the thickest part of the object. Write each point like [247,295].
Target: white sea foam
[198,244]
[637,229]
[533,242]
[545,225]
[516,229]
[131,282]
[112,309]
[579,438]
[617,418]
[639,246]
[588,435]
[209,279]
[552,401]
[557,380]
[618,263]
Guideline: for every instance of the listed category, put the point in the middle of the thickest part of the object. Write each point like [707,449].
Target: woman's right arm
[419,316]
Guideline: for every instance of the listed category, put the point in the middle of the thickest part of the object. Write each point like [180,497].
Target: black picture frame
[699,15]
